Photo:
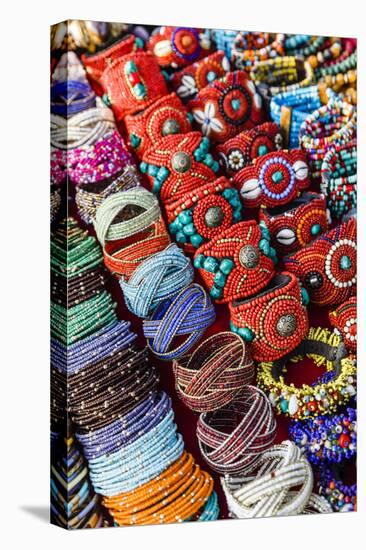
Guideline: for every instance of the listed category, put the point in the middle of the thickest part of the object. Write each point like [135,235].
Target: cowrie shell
[250,189]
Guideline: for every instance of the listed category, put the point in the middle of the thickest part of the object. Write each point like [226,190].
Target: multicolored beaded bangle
[327,267]
[187,315]
[275,321]
[250,47]
[178,46]
[199,215]
[227,106]
[274,179]
[341,497]
[232,438]
[323,397]
[71,97]
[327,438]
[238,262]
[344,320]
[296,224]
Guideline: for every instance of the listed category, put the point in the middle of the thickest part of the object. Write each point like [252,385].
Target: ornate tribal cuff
[227,106]
[200,215]
[332,390]
[215,373]
[236,263]
[132,83]
[296,224]
[344,320]
[190,80]
[176,163]
[244,148]
[275,321]
[327,266]
[274,179]
[165,116]
[179,46]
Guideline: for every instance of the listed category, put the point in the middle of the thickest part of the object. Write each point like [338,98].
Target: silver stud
[286,325]
[249,256]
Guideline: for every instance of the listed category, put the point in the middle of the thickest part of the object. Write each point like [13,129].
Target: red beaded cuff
[178,164]
[275,321]
[178,46]
[190,80]
[132,83]
[236,263]
[165,116]
[202,214]
[227,107]
[327,266]
[344,319]
[297,224]
[274,179]
[96,64]
[242,149]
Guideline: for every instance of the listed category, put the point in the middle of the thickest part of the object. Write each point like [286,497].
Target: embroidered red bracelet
[327,266]
[177,164]
[227,107]
[200,215]
[215,373]
[132,83]
[296,224]
[344,319]
[178,46]
[165,116]
[242,149]
[274,179]
[275,321]
[237,262]
[190,80]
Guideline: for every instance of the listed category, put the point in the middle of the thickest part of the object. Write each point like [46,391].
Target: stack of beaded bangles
[322,50]
[339,178]
[215,373]
[248,48]
[232,438]
[71,97]
[341,497]
[340,73]
[326,395]
[327,438]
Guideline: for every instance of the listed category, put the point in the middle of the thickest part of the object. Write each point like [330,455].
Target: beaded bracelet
[275,321]
[158,278]
[344,320]
[201,214]
[327,266]
[249,47]
[81,255]
[68,67]
[55,202]
[178,46]
[71,97]
[187,315]
[324,396]
[232,438]
[341,497]
[296,224]
[323,50]
[295,41]
[215,373]
[236,263]
[74,291]
[224,39]
[227,106]
[327,438]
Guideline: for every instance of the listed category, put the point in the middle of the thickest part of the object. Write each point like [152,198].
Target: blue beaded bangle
[157,279]
[211,510]
[224,40]
[71,97]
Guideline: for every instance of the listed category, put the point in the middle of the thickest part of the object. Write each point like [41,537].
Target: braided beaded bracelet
[232,438]
[341,497]
[188,314]
[344,320]
[326,395]
[71,97]
[327,438]
[215,373]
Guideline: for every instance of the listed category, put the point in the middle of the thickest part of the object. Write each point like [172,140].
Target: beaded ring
[190,80]
[341,497]
[227,106]
[250,47]
[242,149]
[200,215]
[327,438]
[178,46]
[344,320]
[238,262]
[215,373]
[176,163]
[132,83]
[186,315]
[274,179]
[71,97]
[232,438]
[296,224]
[327,266]
[140,233]
[165,116]
[274,321]
[326,395]
[158,278]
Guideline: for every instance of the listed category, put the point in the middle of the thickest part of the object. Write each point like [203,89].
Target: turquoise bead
[130,67]
[316,229]
[246,334]
[262,150]
[277,177]
[162,174]
[305,296]
[211,264]
[215,292]
[264,246]
[139,90]
[196,240]
[180,237]
[211,75]
[228,193]
[173,228]
[189,229]
[143,167]
[198,261]
[209,160]
[185,216]
[345,262]
[226,266]
[233,328]
[220,279]
[215,167]
[135,141]
[152,170]
[235,103]
[284,405]
[106,100]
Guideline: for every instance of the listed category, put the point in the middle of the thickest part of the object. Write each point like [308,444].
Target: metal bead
[181,162]
[214,216]
[170,126]
[249,256]
[314,280]
[286,325]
